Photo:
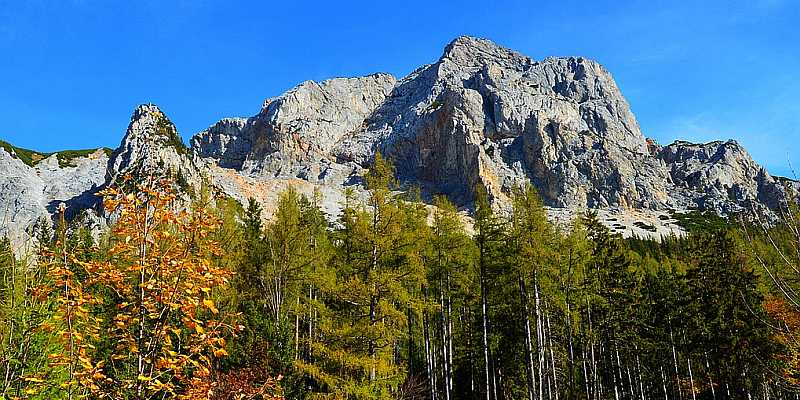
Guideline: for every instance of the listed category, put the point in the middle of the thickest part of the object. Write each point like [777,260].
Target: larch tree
[379,265]
[490,237]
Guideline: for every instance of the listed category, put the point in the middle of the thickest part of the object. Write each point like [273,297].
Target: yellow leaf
[210,304]
[219,353]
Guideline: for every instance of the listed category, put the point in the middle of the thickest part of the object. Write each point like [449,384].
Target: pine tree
[730,323]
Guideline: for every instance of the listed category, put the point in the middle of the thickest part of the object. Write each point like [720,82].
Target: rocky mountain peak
[723,173]
[472,52]
[299,128]
[150,124]
[151,145]
[479,115]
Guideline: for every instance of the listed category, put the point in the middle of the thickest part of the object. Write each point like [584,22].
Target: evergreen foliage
[398,300]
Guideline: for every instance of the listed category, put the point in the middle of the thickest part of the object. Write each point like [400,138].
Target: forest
[395,300]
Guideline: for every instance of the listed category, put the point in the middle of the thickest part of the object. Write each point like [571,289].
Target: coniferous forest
[395,300]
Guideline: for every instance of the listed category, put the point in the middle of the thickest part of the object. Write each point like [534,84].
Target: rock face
[720,176]
[480,115]
[295,130]
[152,145]
[21,195]
[485,114]
[30,193]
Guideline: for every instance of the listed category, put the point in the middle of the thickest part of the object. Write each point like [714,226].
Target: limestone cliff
[479,115]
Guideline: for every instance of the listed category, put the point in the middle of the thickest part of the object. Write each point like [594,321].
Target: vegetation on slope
[65,157]
[166,129]
[29,157]
[697,221]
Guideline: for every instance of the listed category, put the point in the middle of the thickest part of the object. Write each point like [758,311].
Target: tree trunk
[450,333]
[528,344]
[552,357]
[485,326]
[445,354]
[539,336]
[428,358]
[675,363]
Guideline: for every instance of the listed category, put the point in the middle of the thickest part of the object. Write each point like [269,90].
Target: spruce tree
[729,325]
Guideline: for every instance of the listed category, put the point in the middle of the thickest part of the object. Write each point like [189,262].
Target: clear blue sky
[72,71]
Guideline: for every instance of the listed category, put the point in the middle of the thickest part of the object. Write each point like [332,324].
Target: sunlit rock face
[485,115]
[480,115]
[31,195]
[151,145]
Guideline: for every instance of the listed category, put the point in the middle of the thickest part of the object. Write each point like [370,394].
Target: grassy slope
[32,157]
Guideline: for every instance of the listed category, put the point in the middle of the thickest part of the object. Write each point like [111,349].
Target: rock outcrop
[151,145]
[30,195]
[480,115]
[721,177]
[297,130]
[485,114]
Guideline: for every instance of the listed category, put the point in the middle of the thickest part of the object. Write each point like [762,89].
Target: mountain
[32,191]
[481,114]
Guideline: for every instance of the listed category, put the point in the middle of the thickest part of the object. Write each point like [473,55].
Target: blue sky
[72,71]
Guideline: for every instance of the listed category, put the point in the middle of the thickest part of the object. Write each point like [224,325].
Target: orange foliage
[788,334]
[242,384]
[158,282]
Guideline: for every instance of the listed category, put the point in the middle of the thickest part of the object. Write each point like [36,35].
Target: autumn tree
[140,322]
[23,345]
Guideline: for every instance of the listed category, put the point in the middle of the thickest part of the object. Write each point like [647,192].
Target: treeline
[396,299]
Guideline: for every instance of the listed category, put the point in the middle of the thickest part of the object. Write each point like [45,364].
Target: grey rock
[31,195]
[224,143]
[85,176]
[722,177]
[480,115]
[296,129]
[485,114]
[21,197]
[152,146]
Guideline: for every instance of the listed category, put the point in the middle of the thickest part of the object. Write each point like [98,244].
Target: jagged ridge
[481,114]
